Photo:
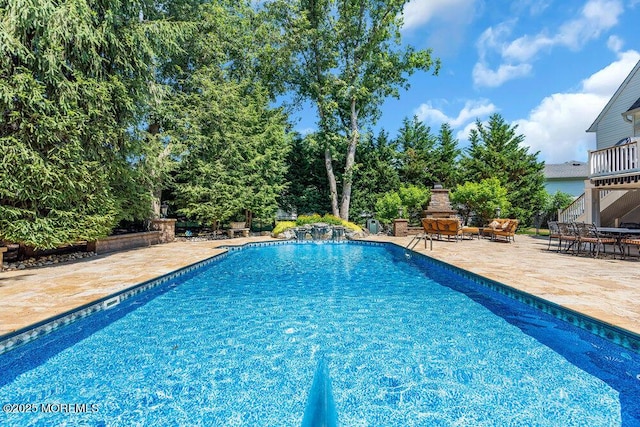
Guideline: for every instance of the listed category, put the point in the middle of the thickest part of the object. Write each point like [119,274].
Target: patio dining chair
[627,242]
[554,233]
[588,234]
[568,235]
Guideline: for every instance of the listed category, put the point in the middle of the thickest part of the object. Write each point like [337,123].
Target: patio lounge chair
[449,227]
[568,235]
[503,228]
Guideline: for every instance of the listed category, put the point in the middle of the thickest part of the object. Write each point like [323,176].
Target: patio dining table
[619,233]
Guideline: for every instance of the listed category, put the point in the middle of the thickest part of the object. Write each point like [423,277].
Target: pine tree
[73,83]
[446,154]
[418,164]
[496,151]
[306,192]
[235,164]
[375,173]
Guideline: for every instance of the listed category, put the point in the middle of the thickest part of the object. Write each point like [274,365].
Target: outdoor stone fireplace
[439,206]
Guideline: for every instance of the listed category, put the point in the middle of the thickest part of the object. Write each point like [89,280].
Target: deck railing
[577,208]
[573,211]
[614,160]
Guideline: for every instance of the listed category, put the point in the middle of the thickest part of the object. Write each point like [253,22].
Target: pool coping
[615,334]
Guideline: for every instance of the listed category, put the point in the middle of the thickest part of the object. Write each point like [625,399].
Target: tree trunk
[156,189]
[347,180]
[248,217]
[156,194]
[333,187]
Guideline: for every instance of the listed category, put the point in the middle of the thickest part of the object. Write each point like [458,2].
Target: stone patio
[605,289]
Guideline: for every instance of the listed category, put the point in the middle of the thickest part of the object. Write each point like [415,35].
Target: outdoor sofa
[503,228]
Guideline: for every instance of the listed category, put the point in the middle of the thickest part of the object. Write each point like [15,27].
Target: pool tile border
[27,334]
[612,333]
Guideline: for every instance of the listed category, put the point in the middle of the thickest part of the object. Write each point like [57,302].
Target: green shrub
[282,226]
[327,219]
[482,199]
[308,219]
[352,226]
[410,198]
[387,207]
[414,199]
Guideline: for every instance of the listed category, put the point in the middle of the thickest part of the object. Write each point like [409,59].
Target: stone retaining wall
[125,241]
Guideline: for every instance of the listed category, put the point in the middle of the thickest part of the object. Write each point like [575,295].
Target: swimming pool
[407,342]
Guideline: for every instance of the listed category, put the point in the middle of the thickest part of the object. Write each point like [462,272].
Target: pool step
[320,410]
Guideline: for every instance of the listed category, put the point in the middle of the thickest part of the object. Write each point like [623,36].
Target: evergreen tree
[446,154]
[235,164]
[496,151]
[418,164]
[306,192]
[376,172]
[217,113]
[74,81]
[230,41]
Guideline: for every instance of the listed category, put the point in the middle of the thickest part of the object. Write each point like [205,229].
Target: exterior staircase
[614,205]
[623,205]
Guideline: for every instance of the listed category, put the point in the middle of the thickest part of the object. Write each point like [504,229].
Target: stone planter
[166,227]
[400,227]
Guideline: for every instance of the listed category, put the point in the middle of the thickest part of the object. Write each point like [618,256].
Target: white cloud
[416,13]
[484,76]
[607,80]
[469,113]
[463,134]
[492,38]
[526,47]
[596,17]
[615,43]
[556,127]
[535,7]
[441,25]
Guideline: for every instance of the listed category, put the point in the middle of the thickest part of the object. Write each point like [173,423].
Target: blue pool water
[406,343]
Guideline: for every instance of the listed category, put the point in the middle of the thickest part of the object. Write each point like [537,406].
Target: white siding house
[612,190]
[610,126]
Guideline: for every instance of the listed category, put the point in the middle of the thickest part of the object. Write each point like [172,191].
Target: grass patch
[531,231]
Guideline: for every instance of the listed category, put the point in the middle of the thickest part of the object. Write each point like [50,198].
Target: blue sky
[549,66]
